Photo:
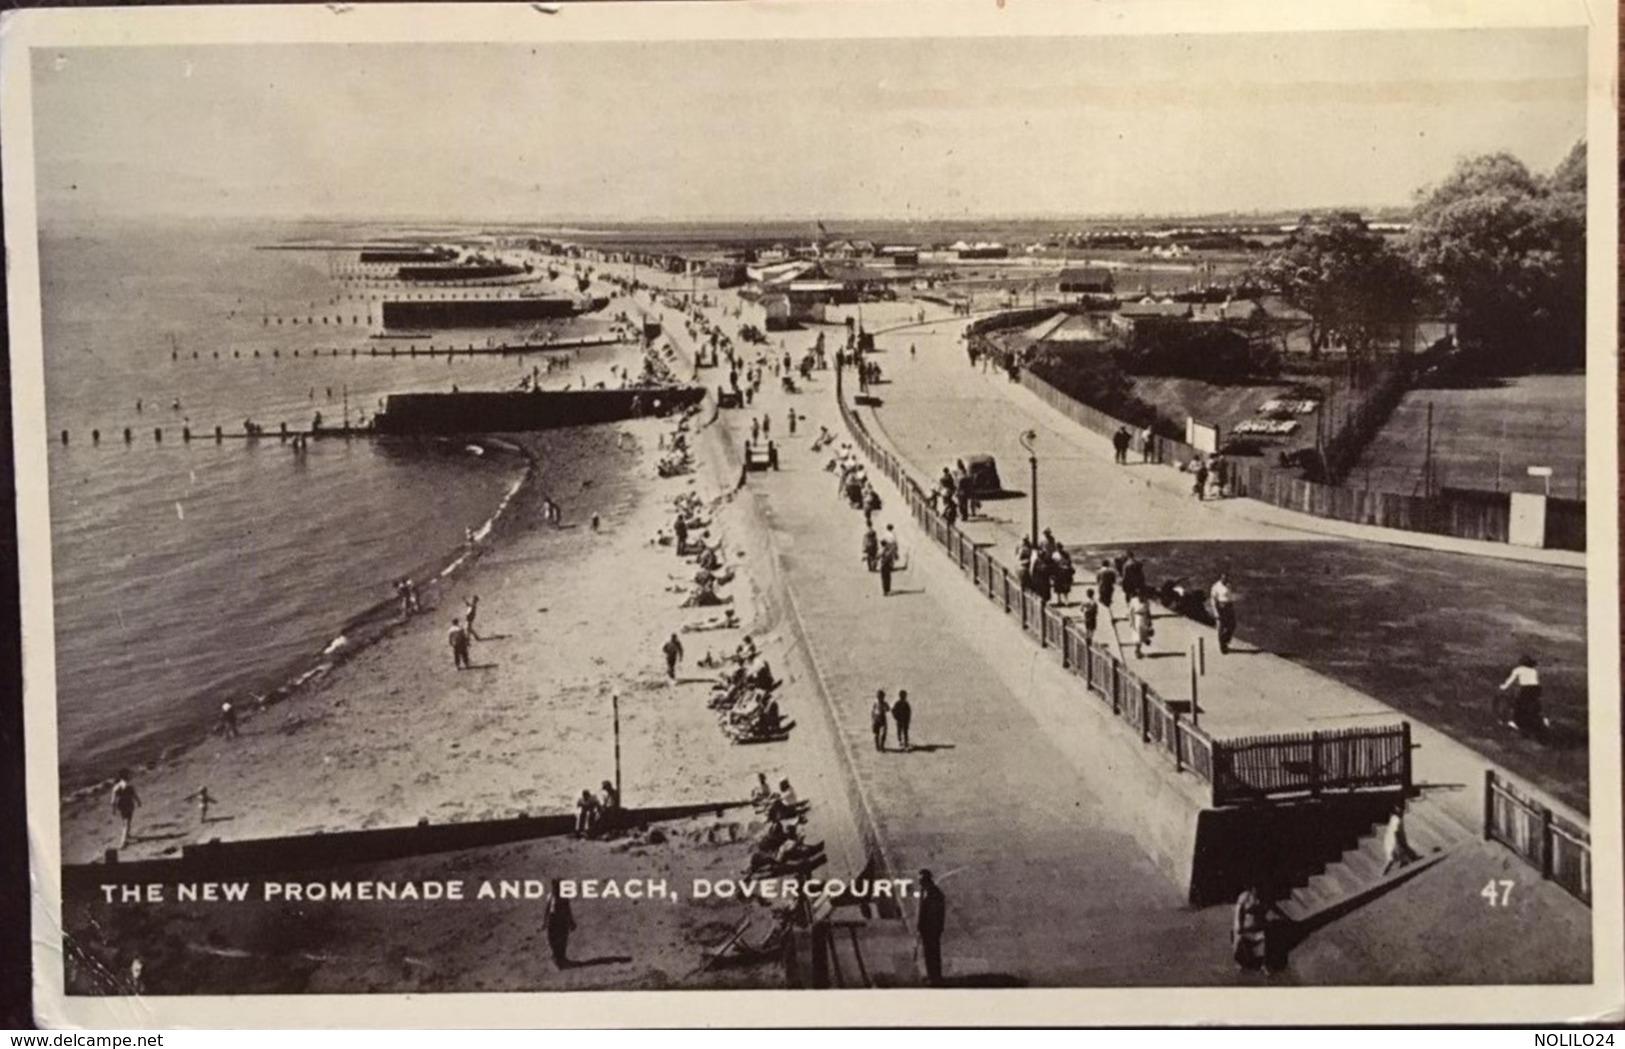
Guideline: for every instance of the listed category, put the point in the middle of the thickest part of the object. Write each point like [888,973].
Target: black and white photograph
[1107,509]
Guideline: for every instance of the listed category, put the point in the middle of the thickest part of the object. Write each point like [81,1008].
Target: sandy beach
[568,617]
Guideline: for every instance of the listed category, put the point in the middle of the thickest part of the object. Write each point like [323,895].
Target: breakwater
[522,411]
[484,313]
[257,857]
[457,272]
[420,255]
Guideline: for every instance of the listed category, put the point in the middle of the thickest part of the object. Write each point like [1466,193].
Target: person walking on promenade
[767,425]
[1250,930]
[558,923]
[1120,442]
[871,548]
[933,916]
[125,802]
[1396,844]
[457,637]
[888,560]
[673,650]
[903,714]
[1091,615]
[1199,489]
[792,419]
[1526,712]
[1147,444]
[1223,598]
[877,719]
[772,456]
[1106,582]
[1133,576]
[1139,621]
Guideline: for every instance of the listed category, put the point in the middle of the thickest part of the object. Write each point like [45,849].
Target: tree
[1504,250]
[1353,285]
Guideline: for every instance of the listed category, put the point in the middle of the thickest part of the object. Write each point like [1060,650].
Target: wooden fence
[1236,771]
[1164,449]
[1558,846]
[1314,762]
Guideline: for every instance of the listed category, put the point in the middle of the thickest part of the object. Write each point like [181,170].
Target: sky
[806,129]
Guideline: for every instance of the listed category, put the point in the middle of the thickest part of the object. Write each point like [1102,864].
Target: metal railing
[1244,770]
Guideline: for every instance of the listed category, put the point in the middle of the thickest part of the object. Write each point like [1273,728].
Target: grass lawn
[1431,634]
[1484,438]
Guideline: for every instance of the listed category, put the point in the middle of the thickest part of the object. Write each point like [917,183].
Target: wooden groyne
[483,313]
[188,434]
[261,856]
[412,349]
[525,410]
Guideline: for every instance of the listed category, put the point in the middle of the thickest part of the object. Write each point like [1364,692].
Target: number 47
[1497,892]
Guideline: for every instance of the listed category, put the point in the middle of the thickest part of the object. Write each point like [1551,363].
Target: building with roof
[1137,316]
[1086,280]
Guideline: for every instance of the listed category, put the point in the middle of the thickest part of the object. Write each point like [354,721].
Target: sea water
[185,574]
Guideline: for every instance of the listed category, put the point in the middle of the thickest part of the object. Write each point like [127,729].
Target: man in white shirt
[1224,610]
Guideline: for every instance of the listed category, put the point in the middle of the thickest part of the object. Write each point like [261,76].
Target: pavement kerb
[877,860]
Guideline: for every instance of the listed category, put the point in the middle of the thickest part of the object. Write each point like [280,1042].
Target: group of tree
[1494,248]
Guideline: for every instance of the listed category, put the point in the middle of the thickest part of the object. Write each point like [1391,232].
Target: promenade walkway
[1003,797]
[1045,882]
[935,408]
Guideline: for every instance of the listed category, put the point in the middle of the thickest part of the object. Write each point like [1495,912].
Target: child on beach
[125,802]
[204,799]
[587,810]
[457,636]
[673,650]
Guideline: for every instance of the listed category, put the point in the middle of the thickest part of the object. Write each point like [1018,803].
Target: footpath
[1046,884]
[1248,692]
[1004,796]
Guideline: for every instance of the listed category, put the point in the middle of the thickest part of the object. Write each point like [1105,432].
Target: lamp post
[1027,439]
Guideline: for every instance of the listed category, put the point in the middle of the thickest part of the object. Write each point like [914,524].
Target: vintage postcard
[643,514]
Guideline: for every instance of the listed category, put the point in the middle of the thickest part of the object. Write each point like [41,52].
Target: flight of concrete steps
[1358,876]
